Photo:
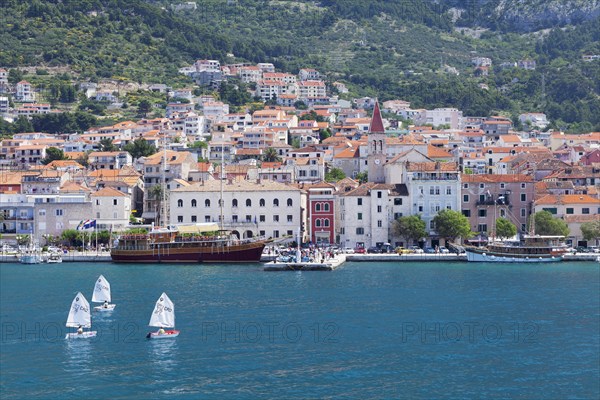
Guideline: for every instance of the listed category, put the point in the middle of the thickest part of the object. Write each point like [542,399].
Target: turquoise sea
[366,330]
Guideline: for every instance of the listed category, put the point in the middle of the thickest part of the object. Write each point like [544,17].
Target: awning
[198,228]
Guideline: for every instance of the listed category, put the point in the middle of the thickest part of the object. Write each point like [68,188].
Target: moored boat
[530,249]
[187,243]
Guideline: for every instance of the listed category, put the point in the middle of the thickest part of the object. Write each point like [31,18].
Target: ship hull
[491,256]
[250,252]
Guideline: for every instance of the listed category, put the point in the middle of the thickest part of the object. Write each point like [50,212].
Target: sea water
[366,330]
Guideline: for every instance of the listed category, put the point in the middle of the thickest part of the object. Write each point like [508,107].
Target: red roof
[376,122]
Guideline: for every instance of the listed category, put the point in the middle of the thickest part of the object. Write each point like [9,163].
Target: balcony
[490,200]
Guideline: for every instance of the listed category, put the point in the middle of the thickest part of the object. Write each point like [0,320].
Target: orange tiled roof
[567,199]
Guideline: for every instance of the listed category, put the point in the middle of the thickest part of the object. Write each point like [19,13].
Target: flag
[80,226]
[89,224]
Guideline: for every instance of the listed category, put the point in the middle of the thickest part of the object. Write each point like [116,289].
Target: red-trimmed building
[321,213]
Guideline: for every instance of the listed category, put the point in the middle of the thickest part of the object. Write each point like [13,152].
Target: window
[502,186]
[481,186]
[523,212]
[420,207]
[313,173]
[318,223]
[248,203]
[326,207]
[290,233]
[275,202]
[482,213]
[207,203]
[397,215]
[234,203]
[359,201]
[275,218]
[343,231]
[248,218]
[360,231]
[523,197]
[276,234]
[234,218]
[502,212]
[42,213]
[420,189]
[466,186]
[466,213]
[194,203]
[59,212]
[359,216]
[115,202]
[261,203]
[431,190]
[570,211]
[523,185]
[261,218]
[482,198]
[318,207]
[379,194]
[207,218]
[290,218]
[585,210]
[261,233]
[437,190]
[378,209]
[180,218]
[379,223]
[448,189]
[326,222]
[465,198]
[179,203]
[482,228]
[397,201]
[522,227]
[194,218]
[290,203]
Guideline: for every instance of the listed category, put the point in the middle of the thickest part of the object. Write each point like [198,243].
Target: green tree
[505,228]
[452,224]
[53,153]
[106,144]
[412,228]
[71,237]
[334,175]
[22,125]
[362,177]
[15,76]
[139,148]
[325,133]
[546,224]
[591,230]
[270,155]
[144,107]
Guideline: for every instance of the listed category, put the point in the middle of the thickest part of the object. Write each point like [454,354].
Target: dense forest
[419,50]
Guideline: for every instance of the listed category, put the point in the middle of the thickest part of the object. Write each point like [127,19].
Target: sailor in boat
[105,305]
[80,330]
[161,331]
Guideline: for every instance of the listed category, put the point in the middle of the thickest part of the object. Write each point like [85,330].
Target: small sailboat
[80,318]
[162,317]
[102,294]
[54,258]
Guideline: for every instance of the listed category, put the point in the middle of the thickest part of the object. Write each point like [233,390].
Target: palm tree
[270,155]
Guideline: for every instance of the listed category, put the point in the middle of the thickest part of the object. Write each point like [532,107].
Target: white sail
[79,315]
[101,290]
[163,315]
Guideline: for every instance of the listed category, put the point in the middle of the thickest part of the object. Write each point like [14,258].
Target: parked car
[402,250]
[594,249]
[581,249]
[360,250]
[443,250]
[348,250]
[374,250]
[416,249]
[429,250]
[386,248]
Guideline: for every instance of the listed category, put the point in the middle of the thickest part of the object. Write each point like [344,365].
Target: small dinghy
[80,318]
[163,317]
[102,294]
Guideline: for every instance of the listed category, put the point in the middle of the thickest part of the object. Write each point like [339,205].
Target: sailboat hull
[169,334]
[84,335]
[102,308]
[180,253]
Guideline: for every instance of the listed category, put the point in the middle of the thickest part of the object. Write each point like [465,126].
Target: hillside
[390,49]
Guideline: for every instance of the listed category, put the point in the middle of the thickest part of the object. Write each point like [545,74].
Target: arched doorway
[236,234]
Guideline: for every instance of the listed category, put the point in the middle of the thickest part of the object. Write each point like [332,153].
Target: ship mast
[222,177]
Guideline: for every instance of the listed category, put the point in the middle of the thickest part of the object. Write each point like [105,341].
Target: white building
[444,116]
[24,92]
[250,208]
[366,214]
[111,209]
[4,105]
